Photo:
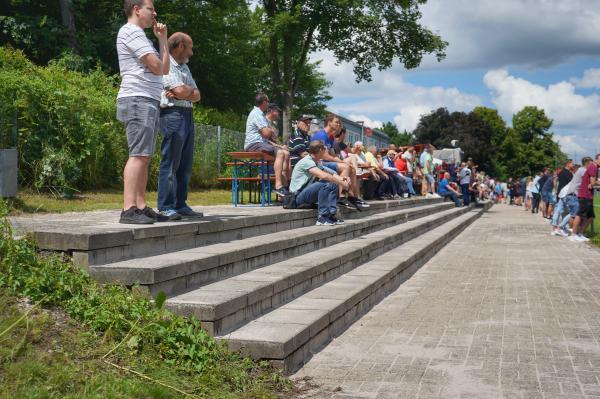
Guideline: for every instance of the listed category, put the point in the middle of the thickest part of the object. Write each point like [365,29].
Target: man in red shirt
[585,214]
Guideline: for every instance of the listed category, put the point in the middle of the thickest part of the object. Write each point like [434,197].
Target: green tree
[368,33]
[474,135]
[532,126]
[400,139]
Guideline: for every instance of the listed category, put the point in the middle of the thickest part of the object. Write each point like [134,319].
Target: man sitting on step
[312,183]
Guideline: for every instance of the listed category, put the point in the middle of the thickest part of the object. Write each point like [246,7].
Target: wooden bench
[250,167]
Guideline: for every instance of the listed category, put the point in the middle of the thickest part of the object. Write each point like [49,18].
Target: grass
[61,350]
[29,201]
[595,238]
[48,355]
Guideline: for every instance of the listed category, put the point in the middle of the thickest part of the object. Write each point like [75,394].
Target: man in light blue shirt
[323,192]
[258,134]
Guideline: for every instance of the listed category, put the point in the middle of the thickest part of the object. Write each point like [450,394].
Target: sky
[501,54]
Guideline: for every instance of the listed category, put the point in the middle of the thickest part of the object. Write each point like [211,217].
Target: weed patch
[149,338]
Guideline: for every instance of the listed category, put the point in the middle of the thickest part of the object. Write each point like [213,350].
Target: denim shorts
[572,204]
[549,198]
[331,165]
[140,116]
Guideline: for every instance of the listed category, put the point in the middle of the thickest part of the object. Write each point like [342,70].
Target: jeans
[558,213]
[430,183]
[323,193]
[177,153]
[570,203]
[408,182]
[452,196]
[465,193]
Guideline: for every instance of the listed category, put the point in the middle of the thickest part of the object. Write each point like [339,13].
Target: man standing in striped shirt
[142,69]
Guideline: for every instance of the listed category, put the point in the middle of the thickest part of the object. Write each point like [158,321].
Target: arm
[159,65]
[330,158]
[184,92]
[336,179]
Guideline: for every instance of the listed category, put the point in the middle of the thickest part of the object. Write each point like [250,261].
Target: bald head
[181,47]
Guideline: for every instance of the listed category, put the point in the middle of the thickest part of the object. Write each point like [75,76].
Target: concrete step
[230,303]
[291,333]
[188,269]
[96,238]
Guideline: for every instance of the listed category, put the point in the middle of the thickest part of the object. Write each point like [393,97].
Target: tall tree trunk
[68,21]
[288,103]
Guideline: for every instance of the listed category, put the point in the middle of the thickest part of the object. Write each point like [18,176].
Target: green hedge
[66,129]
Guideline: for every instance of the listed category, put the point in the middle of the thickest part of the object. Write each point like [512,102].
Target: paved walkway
[504,311]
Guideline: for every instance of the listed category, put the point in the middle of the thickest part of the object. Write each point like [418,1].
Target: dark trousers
[176,157]
[322,193]
[465,193]
[452,196]
[535,203]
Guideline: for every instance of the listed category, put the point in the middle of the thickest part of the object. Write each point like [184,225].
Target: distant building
[353,132]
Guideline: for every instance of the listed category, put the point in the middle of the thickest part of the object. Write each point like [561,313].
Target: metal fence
[212,143]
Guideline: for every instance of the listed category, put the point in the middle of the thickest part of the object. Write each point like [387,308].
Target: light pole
[362,128]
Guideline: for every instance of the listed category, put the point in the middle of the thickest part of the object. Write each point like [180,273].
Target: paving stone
[518,307]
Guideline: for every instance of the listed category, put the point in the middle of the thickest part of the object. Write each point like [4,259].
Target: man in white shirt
[142,68]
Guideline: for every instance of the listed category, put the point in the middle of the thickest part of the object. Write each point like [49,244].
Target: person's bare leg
[343,169]
[576,224]
[585,224]
[286,168]
[278,167]
[135,177]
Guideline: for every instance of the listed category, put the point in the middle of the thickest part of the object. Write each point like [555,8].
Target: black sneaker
[281,191]
[134,215]
[335,220]
[362,203]
[345,203]
[324,221]
[157,217]
[357,203]
[188,212]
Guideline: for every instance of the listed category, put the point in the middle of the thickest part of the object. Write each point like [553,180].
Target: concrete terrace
[503,311]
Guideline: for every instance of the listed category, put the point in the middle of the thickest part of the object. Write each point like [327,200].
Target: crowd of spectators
[563,196]
[320,169]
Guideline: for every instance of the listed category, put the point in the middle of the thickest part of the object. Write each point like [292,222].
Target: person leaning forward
[141,68]
[323,192]
[177,129]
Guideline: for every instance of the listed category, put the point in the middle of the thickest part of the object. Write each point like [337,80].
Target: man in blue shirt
[331,161]
[446,190]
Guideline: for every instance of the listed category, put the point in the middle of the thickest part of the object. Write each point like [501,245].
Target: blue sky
[502,54]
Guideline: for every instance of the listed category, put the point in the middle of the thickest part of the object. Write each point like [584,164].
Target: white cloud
[569,144]
[493,34]
[560,102]
[368,121]
[590,79]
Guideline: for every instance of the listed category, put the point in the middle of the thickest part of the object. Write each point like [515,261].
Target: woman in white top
[528,194]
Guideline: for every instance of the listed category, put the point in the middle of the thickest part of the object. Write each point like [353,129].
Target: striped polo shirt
[136,78]
[179,75]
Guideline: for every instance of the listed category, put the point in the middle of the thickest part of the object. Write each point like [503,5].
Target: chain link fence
[212,143]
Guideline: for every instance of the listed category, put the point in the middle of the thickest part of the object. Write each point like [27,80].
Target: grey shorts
[262,147]
[140,115]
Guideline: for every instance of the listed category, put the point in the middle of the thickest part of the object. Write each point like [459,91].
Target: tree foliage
[368,33]
[474,136]
[520,150]
[229,62]
[400,139]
